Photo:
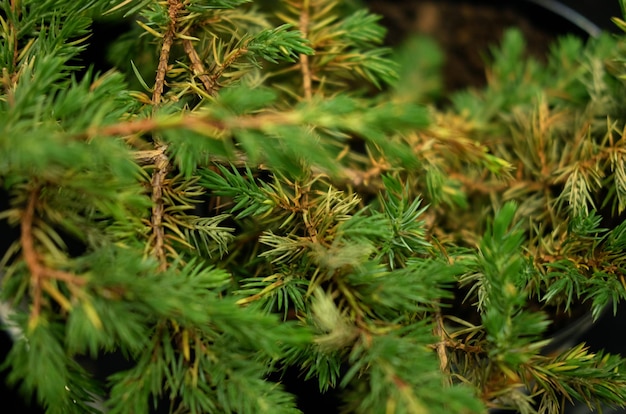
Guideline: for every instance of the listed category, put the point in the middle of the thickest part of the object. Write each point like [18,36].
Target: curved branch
[39,273]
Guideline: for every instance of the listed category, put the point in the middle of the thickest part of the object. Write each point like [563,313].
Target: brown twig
[162,165]
[38,272]
[304,59]
[13,32]
[221,68]
[473,349]
[161,161]
[10,78]
[198,68]
[190,122]
[30,255]
[440,346]
[353,177]
[7,84]
[122,128]
[174,7]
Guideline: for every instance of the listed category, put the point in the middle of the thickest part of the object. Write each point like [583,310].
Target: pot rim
[568,13]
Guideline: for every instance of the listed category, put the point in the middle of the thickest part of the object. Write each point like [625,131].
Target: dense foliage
[261,186]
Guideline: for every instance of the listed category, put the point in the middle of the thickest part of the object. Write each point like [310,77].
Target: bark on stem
[198,67]
[441,346]
[29,253]
[158,181]
[304,59]
[162,164]
[13,32]
[174,6]
[38,272]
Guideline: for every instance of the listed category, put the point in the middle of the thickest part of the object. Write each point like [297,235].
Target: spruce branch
[339,53]
[263,210]
[39,273]
[303,25]
[440,347]
[162,163]
[198,67]
[174,7]
[15,12]
[162,166]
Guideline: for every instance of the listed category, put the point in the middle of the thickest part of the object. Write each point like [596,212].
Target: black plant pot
[588,15]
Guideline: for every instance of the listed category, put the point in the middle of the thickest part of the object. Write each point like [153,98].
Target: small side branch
[457,346]
[174,7]
[190,122]
[10,73]
[39,274]
[162,67]
[221,68]
[161,161]
[304,59]
[198,67]
[13,33]
[30,255]
[441,345]
[158,182]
